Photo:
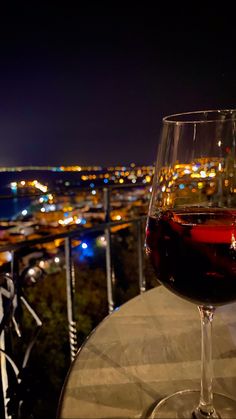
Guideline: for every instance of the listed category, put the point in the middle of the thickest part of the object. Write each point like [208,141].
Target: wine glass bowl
[191,234]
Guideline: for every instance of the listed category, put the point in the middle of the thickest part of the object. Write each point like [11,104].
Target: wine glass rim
[182,117]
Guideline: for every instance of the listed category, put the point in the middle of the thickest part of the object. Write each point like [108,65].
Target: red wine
[193,253]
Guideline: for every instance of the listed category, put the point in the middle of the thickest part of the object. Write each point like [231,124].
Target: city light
[31,271]
[101,241]
[53,213]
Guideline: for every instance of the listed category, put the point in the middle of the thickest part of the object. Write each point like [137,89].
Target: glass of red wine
[191,236]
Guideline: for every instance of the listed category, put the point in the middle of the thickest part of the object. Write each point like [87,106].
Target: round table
[146,349]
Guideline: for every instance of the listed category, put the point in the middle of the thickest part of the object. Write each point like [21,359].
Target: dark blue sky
[89,84]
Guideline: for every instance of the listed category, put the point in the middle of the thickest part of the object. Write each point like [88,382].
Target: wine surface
[193,253]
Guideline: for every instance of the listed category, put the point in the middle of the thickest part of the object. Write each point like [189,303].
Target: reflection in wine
[200,242]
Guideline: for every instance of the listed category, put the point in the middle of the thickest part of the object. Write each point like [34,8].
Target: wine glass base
[181,405]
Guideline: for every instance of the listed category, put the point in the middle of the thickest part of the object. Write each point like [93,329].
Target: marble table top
[145,350]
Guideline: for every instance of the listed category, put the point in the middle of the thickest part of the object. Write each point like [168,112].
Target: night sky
[90,84]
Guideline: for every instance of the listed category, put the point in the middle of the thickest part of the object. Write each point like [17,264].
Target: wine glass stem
[205,407]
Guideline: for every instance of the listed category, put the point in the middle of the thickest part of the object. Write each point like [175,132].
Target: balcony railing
[12,297]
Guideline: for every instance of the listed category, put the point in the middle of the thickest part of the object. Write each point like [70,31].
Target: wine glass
[191,236]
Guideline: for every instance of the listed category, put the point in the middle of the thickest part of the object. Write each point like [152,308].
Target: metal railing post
[142,281]
[70,291]
[108,251]
[3,365]
[15,303]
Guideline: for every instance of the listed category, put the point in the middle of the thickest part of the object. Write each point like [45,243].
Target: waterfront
[63,181]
